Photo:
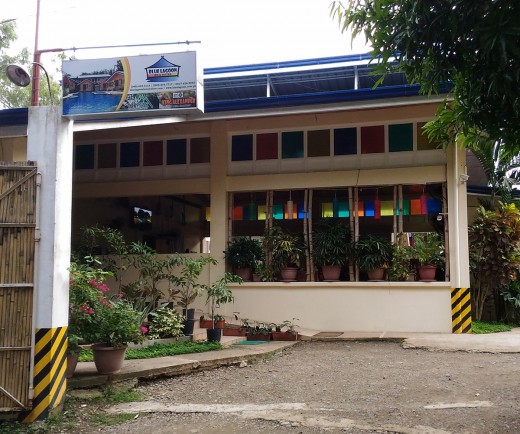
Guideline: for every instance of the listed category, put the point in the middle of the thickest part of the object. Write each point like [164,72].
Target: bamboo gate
[18,204]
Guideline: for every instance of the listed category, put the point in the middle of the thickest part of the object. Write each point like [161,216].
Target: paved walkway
[236,354]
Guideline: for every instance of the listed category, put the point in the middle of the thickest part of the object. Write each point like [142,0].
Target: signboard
[144,84]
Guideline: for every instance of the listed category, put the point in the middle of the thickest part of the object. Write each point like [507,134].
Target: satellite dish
[18,75]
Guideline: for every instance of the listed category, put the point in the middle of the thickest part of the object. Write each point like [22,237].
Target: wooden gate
[18,197]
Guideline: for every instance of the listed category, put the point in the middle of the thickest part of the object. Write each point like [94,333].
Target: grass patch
[106,419]
[480,327]
[160,350]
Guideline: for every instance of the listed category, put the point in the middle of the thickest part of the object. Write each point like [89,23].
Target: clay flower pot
[108,360]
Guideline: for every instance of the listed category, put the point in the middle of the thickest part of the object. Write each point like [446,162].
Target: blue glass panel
[242,148]
[176,151]
[434,206]
[369,208]
[343,210]
[345,141]
[84,158]
[278,211]
[129,154]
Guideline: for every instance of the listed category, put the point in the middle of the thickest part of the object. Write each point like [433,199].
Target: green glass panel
[400,137]
[292,144]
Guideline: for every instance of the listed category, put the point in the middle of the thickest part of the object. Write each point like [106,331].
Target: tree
[12,96]
[502,169]
[474,45]
[494,256]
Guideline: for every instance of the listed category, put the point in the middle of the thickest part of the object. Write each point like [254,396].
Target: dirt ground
[328,387]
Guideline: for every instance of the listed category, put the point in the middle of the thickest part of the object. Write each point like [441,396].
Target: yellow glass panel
[262,214]
[387,207]
[327,210]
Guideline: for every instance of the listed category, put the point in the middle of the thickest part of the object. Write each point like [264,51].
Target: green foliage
[428,249]
[285,249]
[372,252]
[401,267]
[480,327]
[218,293]
[475,45]
[331,242]
[256,327]
[187,284]
[494,255]
[244,252]
[161,350]
[165,323]
[94,317]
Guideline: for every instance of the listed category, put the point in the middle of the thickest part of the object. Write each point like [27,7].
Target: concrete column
[49,144]
[458,240]
[218,189]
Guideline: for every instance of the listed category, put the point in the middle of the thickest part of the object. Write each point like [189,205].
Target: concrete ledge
[86,375]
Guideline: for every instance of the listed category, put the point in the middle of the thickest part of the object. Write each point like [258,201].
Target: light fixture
[20,77]
[290,205]
[463,177]
[441,215]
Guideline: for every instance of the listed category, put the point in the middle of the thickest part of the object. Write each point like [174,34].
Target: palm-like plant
[502,168]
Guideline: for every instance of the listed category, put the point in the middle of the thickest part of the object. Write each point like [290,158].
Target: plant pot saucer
[376,280]
[288,280]
[330,280]
[427,280]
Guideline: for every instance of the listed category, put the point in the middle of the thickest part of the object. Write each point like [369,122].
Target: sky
[232,32]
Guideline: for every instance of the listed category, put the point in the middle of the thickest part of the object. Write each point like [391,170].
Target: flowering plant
[94,316]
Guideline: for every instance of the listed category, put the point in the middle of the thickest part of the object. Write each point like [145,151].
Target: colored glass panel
[153,153]
[294,211]
[84,158]
[292,144]
[200,150]
[107,156]
[361,209]
[252,211]
[387,208]
[242,147]
[238,212]
[176,151]
[267,146]
[400,137]
[415,206]
[262,212]
[345,141]
[301,211]
[208,214]
[434,206]
[343,210]
[278,211]
[129,154]
[369,208]
[327,210]
[318,143]
[373,139]
[423,143]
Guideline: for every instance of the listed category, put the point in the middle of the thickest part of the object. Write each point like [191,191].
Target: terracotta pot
[205,323]
[427,272]
[331,272]
[244,273]
[284,336]
[108,360]
[288,274]
[72,362]
[258,337]
[234,331]
[376,274]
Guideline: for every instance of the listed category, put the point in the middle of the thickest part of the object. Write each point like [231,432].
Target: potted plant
[188,287]
[242,255]
[232,329]
[218,293]
[287,252]
[428,251]
[256,330]
[165,323]
[331,246]
[401,268]
[109,324]
[286,331]
[372,254]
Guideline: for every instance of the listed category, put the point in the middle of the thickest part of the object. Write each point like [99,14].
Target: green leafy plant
[256,327]
[244,252]
[287,326]
[286,249]
[401,266]
[94,316]
[219,293]
[165,323]
[494,254]
[372,252]
[331,243]
[428,249]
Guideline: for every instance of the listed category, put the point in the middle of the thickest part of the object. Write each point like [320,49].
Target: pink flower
[144,329]
[87,310]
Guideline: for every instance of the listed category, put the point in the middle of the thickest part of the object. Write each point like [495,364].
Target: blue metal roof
[9,117]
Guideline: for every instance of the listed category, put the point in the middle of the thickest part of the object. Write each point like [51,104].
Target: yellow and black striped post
[460,310]
[50,363]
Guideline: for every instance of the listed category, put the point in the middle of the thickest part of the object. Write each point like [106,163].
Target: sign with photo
[143,84]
